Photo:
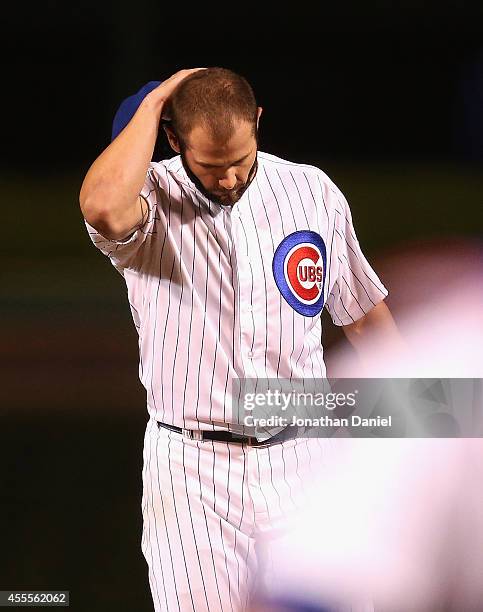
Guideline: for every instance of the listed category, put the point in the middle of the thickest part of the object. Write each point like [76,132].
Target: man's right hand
[164,91]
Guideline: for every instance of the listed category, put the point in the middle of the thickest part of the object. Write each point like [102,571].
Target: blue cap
[129,106]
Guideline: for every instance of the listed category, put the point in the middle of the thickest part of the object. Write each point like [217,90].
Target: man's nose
[228,181]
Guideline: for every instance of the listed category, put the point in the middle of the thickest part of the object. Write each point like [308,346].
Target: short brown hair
[214,98]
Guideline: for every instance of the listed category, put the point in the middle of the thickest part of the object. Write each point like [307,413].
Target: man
[229,255]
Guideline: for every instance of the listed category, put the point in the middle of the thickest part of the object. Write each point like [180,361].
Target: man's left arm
[374,335]
[356,299]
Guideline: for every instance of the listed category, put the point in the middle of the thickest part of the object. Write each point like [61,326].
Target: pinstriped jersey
[218,293]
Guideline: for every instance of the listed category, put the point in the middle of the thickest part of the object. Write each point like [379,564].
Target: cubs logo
[299,265]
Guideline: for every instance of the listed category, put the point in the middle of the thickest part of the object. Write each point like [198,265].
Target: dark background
[387,98]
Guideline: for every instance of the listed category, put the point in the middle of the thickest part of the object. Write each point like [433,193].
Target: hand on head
[167,87]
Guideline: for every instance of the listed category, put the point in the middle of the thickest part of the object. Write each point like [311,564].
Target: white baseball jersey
[218,293]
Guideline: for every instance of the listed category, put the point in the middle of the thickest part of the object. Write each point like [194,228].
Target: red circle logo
[304,272]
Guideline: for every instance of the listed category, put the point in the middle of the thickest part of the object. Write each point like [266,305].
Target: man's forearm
[116,178]
[109,196]
[375,334]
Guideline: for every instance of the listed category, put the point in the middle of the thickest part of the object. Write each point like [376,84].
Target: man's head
[213,125]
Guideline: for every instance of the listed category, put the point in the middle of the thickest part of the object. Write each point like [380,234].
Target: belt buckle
[192,434]
[255,442]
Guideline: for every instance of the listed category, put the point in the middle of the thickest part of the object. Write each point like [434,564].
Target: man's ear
[172,139]
[259,112]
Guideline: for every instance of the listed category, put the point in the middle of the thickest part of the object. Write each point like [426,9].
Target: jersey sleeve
[128,253]
[355,287]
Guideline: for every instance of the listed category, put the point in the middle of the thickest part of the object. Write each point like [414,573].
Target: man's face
[221,170]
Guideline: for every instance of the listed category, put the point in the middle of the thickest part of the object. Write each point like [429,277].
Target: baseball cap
[129,106]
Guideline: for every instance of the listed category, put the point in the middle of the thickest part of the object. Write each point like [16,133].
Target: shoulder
[284,167]
[289,171]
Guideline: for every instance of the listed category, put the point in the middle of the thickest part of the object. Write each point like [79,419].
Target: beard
[227,198]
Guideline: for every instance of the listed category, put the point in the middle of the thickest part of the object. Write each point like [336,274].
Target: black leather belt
[288,433]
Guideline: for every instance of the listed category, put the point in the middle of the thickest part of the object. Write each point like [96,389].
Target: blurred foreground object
[399,522]
[436,297]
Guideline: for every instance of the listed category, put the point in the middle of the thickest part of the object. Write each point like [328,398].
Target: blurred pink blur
[399,522]
[436,297]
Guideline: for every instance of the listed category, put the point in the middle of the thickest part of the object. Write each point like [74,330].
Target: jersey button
[250,354]
[249,308]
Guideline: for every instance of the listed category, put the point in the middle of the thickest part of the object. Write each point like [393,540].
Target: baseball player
[229,255]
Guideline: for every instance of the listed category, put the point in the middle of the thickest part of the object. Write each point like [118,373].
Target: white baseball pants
[206,504]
